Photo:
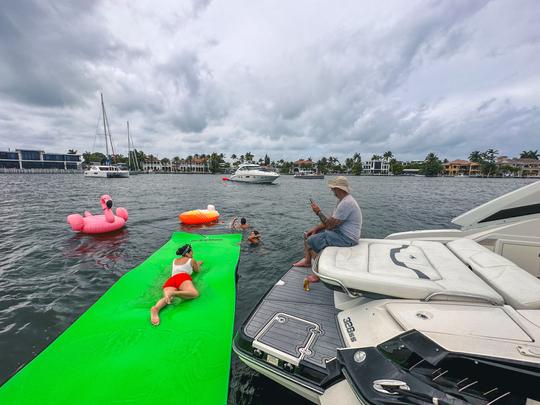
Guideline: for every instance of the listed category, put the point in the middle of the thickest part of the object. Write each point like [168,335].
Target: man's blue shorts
[326,238]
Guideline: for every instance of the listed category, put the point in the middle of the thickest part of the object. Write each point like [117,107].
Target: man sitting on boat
[341,229]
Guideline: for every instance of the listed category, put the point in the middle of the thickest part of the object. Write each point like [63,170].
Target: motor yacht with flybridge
[253,173]
[424,317]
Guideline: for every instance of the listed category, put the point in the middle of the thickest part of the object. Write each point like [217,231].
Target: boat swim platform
[299,324]
[113,355]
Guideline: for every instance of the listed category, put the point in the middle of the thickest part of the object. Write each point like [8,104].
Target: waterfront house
[461,168]
[38,160]
[376,167]
[524,167]
[195,165]
[152,164]
[302,165]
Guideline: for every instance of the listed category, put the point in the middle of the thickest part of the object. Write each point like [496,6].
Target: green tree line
[430,166]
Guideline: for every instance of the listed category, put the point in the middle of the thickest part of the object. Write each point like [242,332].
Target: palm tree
[349,163]
[475,157]
[432,165]
[376,157]
[249,157]
[490,155]
[233,156]
[529,154]
[388,155]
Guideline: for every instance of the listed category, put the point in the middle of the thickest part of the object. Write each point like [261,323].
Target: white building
[376,167]
[152,165]
[196,165]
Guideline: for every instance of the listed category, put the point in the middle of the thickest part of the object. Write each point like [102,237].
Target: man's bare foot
[302,263]
[154,317]
[313,278]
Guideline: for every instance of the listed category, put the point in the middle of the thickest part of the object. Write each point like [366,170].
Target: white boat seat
[403,269]
[519,288]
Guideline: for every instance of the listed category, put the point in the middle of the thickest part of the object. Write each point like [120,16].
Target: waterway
[49,276]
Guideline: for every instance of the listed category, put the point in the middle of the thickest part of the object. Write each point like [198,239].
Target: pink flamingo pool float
[107,222]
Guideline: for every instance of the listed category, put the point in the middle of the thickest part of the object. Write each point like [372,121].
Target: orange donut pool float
[197,217]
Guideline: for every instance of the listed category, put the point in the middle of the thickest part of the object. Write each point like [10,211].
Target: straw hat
[340,182]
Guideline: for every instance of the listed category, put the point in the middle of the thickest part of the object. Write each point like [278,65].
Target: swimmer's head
[243,221]
[184,250]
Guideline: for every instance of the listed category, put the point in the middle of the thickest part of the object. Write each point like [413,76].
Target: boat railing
[315,269]
[459,294]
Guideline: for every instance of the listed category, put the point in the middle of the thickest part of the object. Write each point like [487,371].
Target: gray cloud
[292,80]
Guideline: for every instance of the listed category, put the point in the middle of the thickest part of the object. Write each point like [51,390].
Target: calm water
[49,276]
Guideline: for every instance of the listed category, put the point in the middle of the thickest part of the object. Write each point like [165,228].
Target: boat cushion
[519,288]
[403,269]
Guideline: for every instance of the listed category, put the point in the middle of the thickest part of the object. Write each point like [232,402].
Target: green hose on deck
[113,355]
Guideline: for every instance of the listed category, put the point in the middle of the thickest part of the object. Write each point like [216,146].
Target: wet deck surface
[291,316]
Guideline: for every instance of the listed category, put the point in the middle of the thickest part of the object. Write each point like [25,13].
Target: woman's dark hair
[184,250]
[256,232]
[243,221]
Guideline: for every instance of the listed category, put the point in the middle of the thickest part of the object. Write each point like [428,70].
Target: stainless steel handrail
[463,295]
[315,270]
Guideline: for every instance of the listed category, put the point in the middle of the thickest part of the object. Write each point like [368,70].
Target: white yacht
[252,173]
[424,317]
[308,175]
[106,171]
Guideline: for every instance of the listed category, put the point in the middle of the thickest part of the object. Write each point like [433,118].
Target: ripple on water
[49,276]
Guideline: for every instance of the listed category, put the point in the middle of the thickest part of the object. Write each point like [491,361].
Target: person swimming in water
[254,238]
[243,225]
[180,283]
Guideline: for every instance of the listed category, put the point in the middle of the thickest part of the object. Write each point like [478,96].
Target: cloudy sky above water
[288,78]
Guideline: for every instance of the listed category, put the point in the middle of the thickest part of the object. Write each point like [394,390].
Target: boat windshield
[251,167]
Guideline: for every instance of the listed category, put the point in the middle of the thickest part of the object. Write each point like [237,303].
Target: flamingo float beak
[106,201]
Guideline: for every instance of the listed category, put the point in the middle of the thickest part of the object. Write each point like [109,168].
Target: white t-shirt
[348,211]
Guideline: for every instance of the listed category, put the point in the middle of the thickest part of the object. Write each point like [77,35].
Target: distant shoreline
[80,172]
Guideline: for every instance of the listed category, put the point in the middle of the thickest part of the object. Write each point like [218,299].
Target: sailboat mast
[104,126]
[129,147]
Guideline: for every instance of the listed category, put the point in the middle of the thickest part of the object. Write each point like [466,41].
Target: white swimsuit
[181,268]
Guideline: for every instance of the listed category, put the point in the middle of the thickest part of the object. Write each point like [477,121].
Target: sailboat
[133,164]
[107,170]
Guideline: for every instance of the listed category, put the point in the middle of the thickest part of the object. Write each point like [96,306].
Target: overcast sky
[288,78]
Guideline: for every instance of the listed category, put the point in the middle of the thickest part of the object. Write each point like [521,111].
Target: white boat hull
[309,176]
[254,179]
[468,299]
[281,379]
[106,175]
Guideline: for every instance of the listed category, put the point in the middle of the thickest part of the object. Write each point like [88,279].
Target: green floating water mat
[113,355]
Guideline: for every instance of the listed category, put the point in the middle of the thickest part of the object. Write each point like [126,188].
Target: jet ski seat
[519,288]
[420,270]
